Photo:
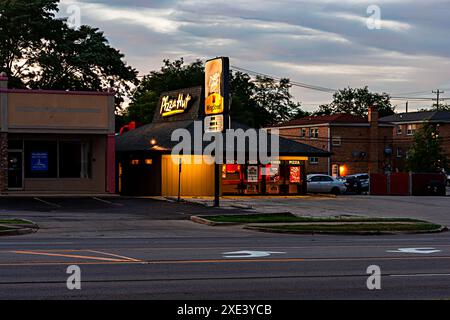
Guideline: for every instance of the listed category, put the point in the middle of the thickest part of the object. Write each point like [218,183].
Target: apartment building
[357,144]
[406,124]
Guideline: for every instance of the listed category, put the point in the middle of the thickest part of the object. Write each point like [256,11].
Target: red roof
[335,118]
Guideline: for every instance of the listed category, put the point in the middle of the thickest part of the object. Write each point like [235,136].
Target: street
[156,253]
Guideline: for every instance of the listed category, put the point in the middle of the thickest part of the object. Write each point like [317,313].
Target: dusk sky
[322,42]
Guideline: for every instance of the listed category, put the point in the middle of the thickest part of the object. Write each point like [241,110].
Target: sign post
[217,76]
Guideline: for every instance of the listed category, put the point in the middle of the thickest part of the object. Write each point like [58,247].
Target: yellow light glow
[342,170]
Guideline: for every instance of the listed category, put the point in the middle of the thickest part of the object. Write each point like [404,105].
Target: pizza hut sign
[172,106]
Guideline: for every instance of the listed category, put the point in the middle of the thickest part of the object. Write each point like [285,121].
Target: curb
[17,232]
[360,233]
[200,220]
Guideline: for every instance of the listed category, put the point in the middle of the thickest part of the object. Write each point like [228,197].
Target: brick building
[357,144]
[406,124]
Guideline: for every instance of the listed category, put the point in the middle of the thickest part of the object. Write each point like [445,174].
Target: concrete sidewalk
[433,209]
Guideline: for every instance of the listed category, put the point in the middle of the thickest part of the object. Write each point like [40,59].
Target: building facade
[356,144]
[146,165]
[56,141]
[406,124]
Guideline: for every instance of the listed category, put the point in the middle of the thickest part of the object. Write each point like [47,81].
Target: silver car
[322,183]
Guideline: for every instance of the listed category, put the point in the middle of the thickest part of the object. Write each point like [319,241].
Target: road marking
[68,256]
[115,255]
[415,250]
[48,203]
[108,202]
[250,254]
[161,262]
[421,275]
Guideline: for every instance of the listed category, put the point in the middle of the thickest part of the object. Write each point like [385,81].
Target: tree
[442,107]
[357,102]
[38,51]
[276,99]
[172,76]
[426,154]
[257,103]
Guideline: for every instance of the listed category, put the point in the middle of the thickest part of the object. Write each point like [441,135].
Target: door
[15,170]
[327,184]
[314,184]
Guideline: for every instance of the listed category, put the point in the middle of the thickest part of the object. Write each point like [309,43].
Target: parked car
[357,183]
[321,183]
[448,180]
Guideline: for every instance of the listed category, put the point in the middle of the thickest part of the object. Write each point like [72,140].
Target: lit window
[314,133]
[411,129]
[135,162]
[149,162]
[313,160]
[337,141]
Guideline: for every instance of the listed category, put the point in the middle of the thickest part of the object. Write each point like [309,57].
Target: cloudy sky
[329,43]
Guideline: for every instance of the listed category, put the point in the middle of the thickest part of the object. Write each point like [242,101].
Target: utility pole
[437,92]
[407,106]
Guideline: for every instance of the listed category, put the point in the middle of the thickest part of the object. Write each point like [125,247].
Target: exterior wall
[320,143]
[196,179]
[3,162]
[405,141]
[95,184]
[354,151]
[52,115]
[50,111]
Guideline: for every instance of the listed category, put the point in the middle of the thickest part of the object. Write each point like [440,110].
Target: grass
[287,217]
[354,228]
[14,221]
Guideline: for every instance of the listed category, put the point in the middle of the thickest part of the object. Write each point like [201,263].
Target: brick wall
[405,141]
[3,162]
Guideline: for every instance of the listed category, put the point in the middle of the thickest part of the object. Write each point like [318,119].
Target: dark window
[74,160]
[41,159]
[326,179]
[15,144]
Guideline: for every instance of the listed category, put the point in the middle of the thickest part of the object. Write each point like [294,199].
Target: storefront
[56,141]
[146,165]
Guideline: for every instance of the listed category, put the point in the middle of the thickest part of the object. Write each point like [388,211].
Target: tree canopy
[39,51]
[256,102]
[426,154]
[357,102]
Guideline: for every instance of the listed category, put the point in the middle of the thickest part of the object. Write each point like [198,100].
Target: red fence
[405,184]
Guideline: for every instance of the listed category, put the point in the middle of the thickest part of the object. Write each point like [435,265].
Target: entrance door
[15,170]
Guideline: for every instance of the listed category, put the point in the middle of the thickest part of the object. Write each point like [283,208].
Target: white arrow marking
[250,254]
[415,250]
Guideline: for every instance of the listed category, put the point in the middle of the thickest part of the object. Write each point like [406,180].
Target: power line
[437,92]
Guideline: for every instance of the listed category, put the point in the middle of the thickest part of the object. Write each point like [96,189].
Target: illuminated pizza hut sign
[172,106]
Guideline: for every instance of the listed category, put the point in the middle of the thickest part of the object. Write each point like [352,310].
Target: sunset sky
[321,42]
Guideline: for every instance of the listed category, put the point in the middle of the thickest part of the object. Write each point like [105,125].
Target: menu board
[252,174]
[294,176]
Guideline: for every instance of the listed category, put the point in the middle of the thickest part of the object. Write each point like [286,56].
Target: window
[336,141]
[148,162]
[41,159]
[313,160]
[316,179]
[314,133]
[303,133]
[74,160]
[399,130]
[326,179]
[399,152]
[411,129]
[135,162]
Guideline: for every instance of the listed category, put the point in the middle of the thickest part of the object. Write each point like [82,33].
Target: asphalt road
[190,261]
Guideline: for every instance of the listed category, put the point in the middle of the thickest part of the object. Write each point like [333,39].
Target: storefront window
[57,159]
[74,160]
[41,159]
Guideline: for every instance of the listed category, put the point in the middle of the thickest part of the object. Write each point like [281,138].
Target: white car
[322,183]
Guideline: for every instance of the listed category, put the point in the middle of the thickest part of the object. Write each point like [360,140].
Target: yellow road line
[115,255]
[67,256]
